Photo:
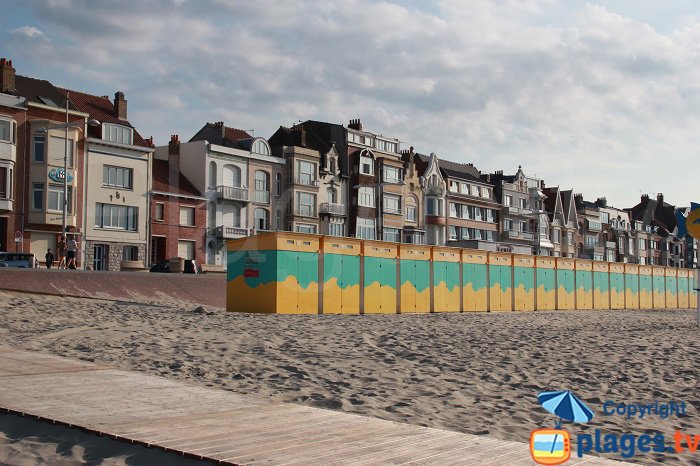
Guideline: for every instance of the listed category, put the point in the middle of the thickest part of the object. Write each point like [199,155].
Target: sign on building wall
[58,174]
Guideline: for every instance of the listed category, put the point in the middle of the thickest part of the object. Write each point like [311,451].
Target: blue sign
[59,174]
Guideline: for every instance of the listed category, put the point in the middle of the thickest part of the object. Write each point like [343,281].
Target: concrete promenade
[227,428]
[207,289]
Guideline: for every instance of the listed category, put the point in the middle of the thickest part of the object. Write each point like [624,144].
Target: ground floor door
[4,246]
[157,249]
[100,253]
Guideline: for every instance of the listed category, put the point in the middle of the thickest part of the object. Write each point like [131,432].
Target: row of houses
[130,201]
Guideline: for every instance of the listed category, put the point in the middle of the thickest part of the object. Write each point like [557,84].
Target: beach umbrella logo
[553,446]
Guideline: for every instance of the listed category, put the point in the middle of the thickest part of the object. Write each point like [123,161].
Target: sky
[599,97]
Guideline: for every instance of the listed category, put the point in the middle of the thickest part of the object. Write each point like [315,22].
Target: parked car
[161,267]
[23,260]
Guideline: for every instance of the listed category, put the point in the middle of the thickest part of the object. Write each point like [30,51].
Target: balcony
[390,210]
[224,232]
[610,245]
[332,209]
[524,235]
[304,181]
[594,248]
[511,210]
[261,197]
[8,152]
[232,193]
[593,225]
[304,211]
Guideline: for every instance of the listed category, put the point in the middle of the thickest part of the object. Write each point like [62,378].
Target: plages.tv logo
[553,446]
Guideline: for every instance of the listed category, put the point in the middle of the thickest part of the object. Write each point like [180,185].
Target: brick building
[178,211]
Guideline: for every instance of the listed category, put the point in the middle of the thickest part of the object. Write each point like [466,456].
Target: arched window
[211,215]
[261,147]
[262,219]
[212,174]
[232,176]
[232,215]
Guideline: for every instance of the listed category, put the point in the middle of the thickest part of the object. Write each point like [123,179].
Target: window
[604,217]
[212,175]
[453,233]
[570,236]
[278,184]
[453,210]
[304,228]
[454,186]
[366,196]
[187,216]
[477,213]
[55,200]
[392,204]
[507,200]
[464,188]
[336,229]
[365,228]
[523,203]
[231,176]
[8,129]
[654,245]
[57,150]
[486,192]
[610,256]
[262,221]
[261,147]
[392,234]
[130,253]
[39,148]
[185,249]
[433,206]
[508,224]
[332,195]
[411,213]
[211,215]
[556,236]
[490,215]
[261,181]
[5,183]
[278,220]
[522,227]
[117,133]
[119,177]
[116,216]
[331,165]
[306,204]
[38,196]
[642,244]
[392,175]
[591,241]
[366,165]
[160,212]
[306,172]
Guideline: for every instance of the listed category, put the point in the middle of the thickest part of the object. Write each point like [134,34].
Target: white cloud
[583,96]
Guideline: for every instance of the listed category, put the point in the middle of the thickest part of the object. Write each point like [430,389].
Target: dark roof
[41,92]
[566,201]
[464,171]
[163,172]
[218,133]
[316,135]
[102,110]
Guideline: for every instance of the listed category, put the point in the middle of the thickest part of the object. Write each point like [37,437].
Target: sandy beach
[476,373]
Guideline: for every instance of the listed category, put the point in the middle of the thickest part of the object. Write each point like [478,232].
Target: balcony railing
[332,208]
[224,232]
[304,181]
[512,210]
[391,210]
[610,244]
[305,211]
[261,197]
[519,234]
[232,193]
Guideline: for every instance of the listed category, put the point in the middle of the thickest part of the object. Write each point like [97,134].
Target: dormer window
[117,133]
[331,165]
[260,147]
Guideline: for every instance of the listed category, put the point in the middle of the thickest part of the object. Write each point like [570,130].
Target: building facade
[117,184]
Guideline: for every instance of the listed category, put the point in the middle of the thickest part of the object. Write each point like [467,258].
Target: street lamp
[66,126]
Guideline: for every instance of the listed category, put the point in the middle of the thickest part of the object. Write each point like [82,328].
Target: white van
[24,260]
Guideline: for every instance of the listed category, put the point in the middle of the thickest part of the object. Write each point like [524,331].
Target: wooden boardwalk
[227,428]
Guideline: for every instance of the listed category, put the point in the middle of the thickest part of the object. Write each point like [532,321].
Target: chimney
[355,124]
[221,128]
[578,200]
[149,141]
[120,105]
[301,134]
[7,76]
[660,198]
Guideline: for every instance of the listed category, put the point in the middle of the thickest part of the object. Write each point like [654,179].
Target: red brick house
[178,211]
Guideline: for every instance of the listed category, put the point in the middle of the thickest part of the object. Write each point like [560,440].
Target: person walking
[49,259]
[61,247]
[71,251]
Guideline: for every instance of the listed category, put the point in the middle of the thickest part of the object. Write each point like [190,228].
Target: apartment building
[242,181]
[116,184]
[317,187]
[463,209]
[376,171]
[33,149]
[561,211]
[654,220]
[524,224]
[178,210]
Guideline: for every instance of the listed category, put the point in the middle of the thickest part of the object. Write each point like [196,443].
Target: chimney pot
[120,105]
[7,76]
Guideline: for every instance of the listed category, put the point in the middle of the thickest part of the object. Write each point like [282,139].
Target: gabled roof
[219,134]
[163,173]
[464,171]
[655,212]
[552,202]
[568,205]
[102,110]
[40,91]
[316,135]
